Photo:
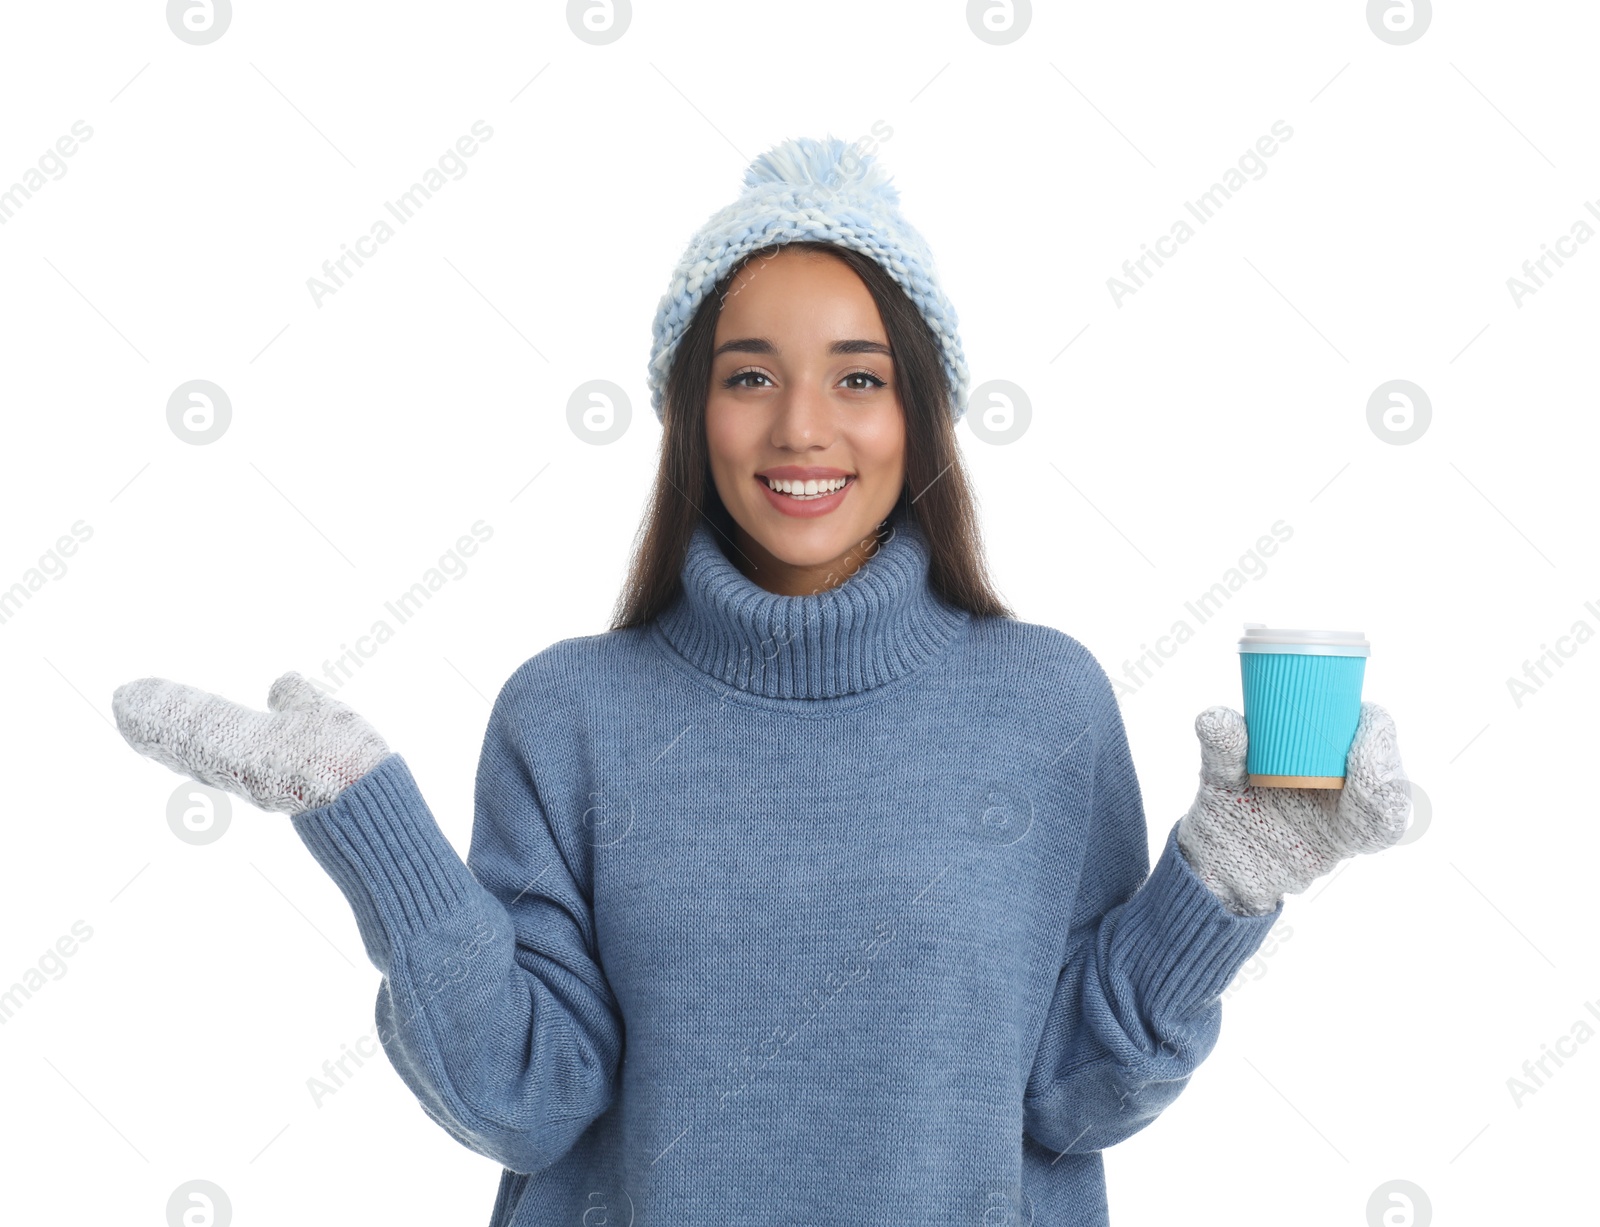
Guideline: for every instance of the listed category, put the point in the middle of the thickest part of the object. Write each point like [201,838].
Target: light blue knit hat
[821,191]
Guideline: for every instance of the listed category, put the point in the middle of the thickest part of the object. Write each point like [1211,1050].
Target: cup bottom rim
[1297,781]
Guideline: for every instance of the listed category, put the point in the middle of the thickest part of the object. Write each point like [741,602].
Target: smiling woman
[817,889]
[807,362]
[816,344]
[806,439]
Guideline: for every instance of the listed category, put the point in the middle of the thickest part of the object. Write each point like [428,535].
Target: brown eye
[874,381]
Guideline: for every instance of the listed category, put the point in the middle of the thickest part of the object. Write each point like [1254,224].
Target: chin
[809,543]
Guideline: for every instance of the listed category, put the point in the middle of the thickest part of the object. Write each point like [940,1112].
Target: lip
[810,508]
[802,472]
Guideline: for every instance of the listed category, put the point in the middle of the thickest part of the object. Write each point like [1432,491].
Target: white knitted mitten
[298,755]
[1251,845]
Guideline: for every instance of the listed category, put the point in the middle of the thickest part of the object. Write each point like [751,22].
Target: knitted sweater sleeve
[1137,1005]
[492,1008]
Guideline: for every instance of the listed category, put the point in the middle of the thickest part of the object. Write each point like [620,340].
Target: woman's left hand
[1251,845]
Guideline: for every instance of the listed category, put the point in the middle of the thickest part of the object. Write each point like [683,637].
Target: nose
[803,417]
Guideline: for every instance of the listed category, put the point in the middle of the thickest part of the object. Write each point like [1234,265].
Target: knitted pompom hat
[821,191]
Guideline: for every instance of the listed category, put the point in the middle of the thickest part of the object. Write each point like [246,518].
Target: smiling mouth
[806,491]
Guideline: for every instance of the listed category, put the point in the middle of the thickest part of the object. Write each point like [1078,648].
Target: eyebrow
[760,345]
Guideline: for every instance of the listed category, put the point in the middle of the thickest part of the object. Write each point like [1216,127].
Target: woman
[817,890]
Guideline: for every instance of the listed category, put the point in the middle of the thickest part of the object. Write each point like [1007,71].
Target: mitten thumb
[1222,747]
[292,692]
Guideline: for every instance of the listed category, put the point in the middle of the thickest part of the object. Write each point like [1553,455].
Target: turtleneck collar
[878,625]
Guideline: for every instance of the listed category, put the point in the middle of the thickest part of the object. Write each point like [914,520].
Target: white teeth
[806,489]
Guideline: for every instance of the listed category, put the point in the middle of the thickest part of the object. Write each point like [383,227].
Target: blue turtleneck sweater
[827,909]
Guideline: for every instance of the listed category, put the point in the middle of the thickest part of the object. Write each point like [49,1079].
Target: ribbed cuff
[379,842]
[1182,946]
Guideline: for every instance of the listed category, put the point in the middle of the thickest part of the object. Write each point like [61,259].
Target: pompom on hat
[822,191]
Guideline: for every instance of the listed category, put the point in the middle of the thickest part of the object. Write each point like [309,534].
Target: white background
[370,432]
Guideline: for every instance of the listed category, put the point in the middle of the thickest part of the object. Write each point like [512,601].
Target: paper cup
[1302,698]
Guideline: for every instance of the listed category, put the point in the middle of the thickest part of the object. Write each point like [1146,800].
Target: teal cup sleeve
[1300,711]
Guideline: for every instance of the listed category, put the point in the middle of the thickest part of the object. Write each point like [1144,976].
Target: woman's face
[803,389]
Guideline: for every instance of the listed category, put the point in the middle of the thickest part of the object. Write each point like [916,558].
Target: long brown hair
[936,492]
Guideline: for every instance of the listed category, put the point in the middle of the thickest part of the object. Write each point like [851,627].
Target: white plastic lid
[1258,637]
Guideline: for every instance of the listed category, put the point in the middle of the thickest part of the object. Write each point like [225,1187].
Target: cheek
[732,438]
[880,443]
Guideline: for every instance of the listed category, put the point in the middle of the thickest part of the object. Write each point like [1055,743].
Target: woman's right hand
[299,754]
